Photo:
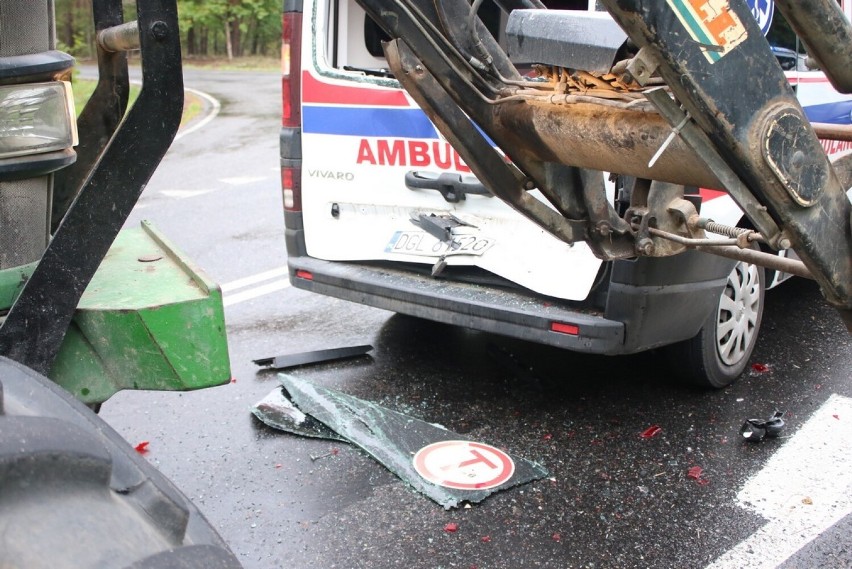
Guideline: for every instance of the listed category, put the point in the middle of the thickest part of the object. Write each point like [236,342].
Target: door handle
[453,187]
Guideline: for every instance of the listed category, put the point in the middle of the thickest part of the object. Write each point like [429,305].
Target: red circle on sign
[464,465]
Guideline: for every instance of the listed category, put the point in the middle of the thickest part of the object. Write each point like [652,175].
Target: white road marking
[180,194]
[254,279]
[242,180]
[206,120]
[804,489]
[251,293]
[230,297]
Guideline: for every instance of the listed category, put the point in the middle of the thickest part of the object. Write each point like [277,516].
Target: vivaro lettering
[332,175]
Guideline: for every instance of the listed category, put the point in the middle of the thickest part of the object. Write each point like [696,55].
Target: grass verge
[83,89]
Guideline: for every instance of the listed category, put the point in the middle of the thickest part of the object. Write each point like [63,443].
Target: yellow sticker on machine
[712,24]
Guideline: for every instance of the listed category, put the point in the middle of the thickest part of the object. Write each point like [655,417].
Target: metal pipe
[509,5]
[767,260]
[826,33]
[690,241]
[120,38]
[829,131]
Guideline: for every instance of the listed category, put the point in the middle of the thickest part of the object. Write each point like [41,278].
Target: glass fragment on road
[394,439]
[277,411]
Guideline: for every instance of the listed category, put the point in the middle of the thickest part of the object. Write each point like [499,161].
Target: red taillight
[563,328]
[307,275]
[291,69]
[291,188]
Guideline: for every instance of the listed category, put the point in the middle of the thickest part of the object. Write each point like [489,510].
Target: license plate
[425,245]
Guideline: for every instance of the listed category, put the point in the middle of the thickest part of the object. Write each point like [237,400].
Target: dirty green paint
[149,324]
[12,281]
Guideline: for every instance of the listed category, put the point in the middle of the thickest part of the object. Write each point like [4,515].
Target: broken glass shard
[278,412]
[394,439]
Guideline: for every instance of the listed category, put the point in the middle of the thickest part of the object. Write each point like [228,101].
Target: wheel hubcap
[739,308]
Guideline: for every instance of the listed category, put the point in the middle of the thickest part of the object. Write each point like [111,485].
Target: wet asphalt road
[614,499]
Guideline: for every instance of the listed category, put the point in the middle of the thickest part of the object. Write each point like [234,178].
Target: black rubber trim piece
[290,145]
[34,165]
[73,493]
[35,66]
[292,6]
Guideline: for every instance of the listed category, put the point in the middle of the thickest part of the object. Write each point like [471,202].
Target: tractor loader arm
[663,95]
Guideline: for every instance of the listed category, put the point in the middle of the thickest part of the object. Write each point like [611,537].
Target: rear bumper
[510,313]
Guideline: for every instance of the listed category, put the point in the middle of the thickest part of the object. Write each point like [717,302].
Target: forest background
[210,29]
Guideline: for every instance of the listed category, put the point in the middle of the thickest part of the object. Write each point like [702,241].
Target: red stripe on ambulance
[315,91]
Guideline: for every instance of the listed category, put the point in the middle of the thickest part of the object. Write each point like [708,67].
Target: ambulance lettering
[416,153]
[836,146]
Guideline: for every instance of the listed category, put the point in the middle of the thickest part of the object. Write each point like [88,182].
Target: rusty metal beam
[604,138]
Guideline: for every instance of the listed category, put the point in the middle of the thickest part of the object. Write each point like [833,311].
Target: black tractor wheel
[74,494]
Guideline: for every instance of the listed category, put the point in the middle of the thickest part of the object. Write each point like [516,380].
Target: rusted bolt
[529,185]
[604,228]
[159,30]
[645,246]
[418,69]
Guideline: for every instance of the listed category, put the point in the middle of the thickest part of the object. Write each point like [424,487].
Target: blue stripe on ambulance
[367,121]
[839,112]
[371,121]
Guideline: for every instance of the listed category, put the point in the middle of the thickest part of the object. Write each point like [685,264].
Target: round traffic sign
[763,10]
[464,465]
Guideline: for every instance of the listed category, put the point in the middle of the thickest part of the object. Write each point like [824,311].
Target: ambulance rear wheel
[719,353]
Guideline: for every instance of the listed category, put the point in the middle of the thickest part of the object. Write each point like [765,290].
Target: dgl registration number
[424,244]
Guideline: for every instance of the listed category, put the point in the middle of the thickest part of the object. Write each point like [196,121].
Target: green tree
[233,28]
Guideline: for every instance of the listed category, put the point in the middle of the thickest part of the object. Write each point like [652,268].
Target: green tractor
[89,308]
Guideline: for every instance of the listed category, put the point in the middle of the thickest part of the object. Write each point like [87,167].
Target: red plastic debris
[759,368]
[651,431]
[233,380]
[335,451]
[695,473]
[278,465]
[451,527]
[547,437]
[485,539]
[836,417]
[142,447]
[556,537]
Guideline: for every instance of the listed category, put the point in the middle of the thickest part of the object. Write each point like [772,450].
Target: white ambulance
[362,167]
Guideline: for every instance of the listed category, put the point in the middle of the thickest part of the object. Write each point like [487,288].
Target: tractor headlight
[36,118]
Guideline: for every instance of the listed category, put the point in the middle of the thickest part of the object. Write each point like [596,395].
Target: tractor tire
[74,494]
